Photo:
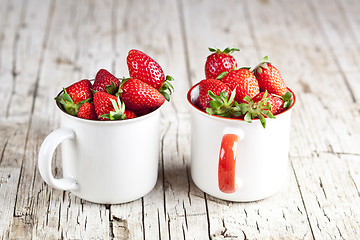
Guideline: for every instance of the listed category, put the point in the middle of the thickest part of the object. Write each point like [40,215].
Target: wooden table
[46,45]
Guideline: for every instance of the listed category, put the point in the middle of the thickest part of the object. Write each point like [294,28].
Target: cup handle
[227,162]
[45,156]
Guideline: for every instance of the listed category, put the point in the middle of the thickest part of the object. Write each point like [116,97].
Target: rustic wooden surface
[45,45]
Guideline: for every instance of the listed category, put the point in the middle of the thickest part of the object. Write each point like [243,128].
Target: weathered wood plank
[17,73]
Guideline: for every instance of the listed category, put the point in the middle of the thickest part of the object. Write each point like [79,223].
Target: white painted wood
[46,45]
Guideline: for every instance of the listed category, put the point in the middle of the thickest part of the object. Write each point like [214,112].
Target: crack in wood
[224,233]
[3,150]
[185,216]
[188,184]
[183,231]
[169,226]
[159,224]
[302,198]
[59,217]
[143,217]
[207,215]
[111,224]
[322,187]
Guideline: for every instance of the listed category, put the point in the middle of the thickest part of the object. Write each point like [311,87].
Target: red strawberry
[138,95]
[146,69]
[129,114]
[74,96]
[257,108]
[213,85]
[270,78]
[219,62]
[142,112]
[108,107]
[244,81]
[87,111]
[105,82]
[277,104]
[216,98]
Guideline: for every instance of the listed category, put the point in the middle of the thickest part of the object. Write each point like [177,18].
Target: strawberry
[219,62]
[108,107]
[275,102]
[146,69]
[269,78]
[142,112]
[265,105]
[129,114]
[105,82]
[258,107]
[278,103]
[244,81]
[87,111]
[74,96]
[138,95]
[213,85]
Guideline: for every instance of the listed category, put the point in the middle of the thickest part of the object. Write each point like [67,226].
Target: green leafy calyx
[167,88]
[68,104]
[226,50]
[223,105]
[119,110]
[260,109]
[262,65]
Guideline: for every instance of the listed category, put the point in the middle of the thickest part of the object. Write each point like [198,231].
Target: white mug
[234,160]
[106,162]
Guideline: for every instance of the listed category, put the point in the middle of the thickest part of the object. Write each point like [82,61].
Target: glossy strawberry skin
[105,78]
[206,85]
[144,68]
[270,79]
[103,104]
[138,95]
[217,63]
[244,81]
[129,114]
[87,111]
[80,91]
[277,104]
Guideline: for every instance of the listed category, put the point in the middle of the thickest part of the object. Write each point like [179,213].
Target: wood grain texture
[48,44]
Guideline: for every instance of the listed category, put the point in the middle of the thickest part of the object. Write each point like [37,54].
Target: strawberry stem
[226,50]
[167,88]
[119,110]
[223,105]
[68,104]
[260,109]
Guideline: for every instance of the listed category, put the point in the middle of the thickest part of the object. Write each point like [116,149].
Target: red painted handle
[227,161]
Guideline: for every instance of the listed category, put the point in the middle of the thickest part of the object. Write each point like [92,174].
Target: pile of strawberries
[109,98]
[233,92]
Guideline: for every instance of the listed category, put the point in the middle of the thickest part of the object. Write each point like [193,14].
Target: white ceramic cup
[234,160]
[106,162]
